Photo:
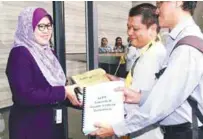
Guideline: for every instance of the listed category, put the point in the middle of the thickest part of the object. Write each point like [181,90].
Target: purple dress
[31,116]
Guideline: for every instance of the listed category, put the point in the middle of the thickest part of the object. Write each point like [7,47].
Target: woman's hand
[70,94]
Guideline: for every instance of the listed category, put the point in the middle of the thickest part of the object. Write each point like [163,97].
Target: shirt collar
[142,50]
[180,26]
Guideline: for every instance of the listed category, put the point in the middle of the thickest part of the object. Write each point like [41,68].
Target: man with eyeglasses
[176,100]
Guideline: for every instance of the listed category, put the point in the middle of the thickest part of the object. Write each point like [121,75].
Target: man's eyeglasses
[42,27]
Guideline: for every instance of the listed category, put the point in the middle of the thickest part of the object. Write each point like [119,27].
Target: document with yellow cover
[101,103]
[89,78]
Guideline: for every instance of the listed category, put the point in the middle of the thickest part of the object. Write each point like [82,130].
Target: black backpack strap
[194,126]
[195,114]
[197,43]
[158,75]
[193,103]
[192,41]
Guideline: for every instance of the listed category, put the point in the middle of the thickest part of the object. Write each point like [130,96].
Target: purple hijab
[43,55]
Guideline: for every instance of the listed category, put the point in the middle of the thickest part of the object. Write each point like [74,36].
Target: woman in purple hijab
[37,80]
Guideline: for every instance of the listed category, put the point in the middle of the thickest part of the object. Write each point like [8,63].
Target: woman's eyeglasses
[42,27]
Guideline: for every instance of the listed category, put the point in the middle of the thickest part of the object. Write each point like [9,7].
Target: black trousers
[180,132]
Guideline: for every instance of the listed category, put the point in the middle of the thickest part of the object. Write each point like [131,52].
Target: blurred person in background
[119,47]
[104,48]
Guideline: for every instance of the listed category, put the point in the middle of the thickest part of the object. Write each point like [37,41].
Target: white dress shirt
[167,102]
[148,64]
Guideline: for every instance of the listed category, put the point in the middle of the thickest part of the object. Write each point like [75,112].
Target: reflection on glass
[104,47]
[112,18]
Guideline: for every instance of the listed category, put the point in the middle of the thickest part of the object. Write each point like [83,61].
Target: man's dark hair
[189,6]
[148,13]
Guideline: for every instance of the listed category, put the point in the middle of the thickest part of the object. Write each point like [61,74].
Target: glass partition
[75,56]
[112,35]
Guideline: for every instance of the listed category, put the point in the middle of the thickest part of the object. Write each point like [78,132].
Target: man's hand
[130,95]
[104,130]
[112,77]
